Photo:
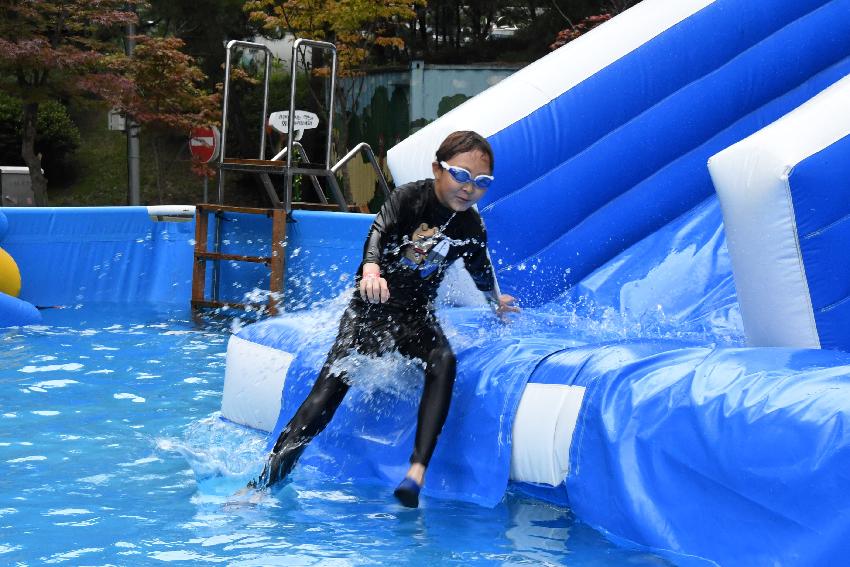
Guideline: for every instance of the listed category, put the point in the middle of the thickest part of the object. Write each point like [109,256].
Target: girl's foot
[407,493]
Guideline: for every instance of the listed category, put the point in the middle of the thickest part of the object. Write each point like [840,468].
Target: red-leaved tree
[47,49]
[161,88]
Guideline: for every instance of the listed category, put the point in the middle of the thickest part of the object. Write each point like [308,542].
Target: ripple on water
[70,367]
[29,459]
[128,396]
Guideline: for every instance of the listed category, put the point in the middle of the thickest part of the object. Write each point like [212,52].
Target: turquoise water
[112,453]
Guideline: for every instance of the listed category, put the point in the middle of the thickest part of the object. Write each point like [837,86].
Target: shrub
[57,137]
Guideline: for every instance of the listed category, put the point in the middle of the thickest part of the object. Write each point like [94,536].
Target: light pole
[133,194]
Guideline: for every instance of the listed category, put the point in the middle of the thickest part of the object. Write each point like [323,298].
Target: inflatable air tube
[262,368]
[4,225]
[786,208]
[15,312]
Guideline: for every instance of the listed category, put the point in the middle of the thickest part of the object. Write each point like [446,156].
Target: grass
[100,173]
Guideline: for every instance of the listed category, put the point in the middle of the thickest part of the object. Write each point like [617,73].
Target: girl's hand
[506,305]
[373,288]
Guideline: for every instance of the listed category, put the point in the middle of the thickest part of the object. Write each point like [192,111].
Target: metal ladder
[281,164]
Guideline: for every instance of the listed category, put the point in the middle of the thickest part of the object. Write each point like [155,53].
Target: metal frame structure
[281,164]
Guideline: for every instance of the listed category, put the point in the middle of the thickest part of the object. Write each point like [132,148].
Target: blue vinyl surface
[593,212]
[818,187]
[69,256]
[4,225]
[371,435]
[603,223]
[120,255]
[15,312]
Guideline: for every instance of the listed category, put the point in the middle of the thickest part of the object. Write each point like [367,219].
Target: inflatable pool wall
[118,255]
[625,388]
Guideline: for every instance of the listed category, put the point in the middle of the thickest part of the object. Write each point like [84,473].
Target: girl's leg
[440,367]
[312,417]
[316,411]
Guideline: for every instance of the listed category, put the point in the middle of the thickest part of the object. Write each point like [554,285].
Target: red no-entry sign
[204,143]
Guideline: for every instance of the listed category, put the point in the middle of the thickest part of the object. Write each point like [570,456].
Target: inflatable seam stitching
[786,181]
[578,433]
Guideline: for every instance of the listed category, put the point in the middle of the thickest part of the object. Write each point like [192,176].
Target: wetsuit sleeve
[478,263]
[385,225]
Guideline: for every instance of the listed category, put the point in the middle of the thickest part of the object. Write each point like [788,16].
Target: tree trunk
[32,159]
[423,28]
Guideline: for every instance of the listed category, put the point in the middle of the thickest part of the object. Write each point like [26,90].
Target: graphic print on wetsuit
[426,249]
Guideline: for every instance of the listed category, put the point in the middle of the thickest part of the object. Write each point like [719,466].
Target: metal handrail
[226,103]
[303,152]
[289,138]
[370,155]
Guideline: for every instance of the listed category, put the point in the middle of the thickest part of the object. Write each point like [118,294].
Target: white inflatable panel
[534,86]
[253,382]
[543,432]
[752,181]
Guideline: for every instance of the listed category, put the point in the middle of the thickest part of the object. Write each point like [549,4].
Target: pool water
[112,453]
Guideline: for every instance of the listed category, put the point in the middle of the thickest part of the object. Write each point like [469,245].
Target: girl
[422,228]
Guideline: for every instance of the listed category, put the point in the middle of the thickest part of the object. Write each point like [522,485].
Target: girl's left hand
[507,304]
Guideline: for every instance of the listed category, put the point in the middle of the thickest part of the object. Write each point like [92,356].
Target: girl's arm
[373,287]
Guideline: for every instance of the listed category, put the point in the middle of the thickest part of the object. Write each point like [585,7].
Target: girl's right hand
[373,288]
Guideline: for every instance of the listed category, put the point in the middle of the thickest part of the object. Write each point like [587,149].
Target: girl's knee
[442,362]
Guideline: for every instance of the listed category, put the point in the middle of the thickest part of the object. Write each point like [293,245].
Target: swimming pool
[112,453]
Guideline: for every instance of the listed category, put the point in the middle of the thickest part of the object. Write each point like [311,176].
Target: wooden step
[212,208]
[211,304]
[202,255]
[235,257]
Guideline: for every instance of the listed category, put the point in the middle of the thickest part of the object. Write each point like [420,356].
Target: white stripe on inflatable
[253,382]
[541,82]
[751,180]
[543,432]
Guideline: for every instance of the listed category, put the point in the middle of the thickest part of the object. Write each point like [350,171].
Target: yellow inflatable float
[10,275]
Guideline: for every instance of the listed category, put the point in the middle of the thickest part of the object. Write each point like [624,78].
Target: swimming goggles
[462,176]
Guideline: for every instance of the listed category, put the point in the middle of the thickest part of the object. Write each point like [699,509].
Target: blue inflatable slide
[671,208]
[679,375]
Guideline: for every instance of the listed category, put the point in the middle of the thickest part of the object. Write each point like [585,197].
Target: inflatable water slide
[671,208]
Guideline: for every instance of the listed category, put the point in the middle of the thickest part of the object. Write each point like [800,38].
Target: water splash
[213,447]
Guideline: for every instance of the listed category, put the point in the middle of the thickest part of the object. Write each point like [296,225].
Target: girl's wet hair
[464,141]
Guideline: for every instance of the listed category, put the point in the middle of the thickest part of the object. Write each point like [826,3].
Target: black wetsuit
[414,238]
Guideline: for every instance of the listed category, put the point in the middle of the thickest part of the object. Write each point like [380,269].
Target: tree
[205,32]
[49,47]
[357,27]
[161,87]
[609,9]
[58,136]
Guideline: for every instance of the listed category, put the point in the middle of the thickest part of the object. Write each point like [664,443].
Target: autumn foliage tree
[356,27]
[161,88]
[47,49]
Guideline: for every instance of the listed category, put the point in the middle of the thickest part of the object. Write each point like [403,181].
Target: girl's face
[453,194]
